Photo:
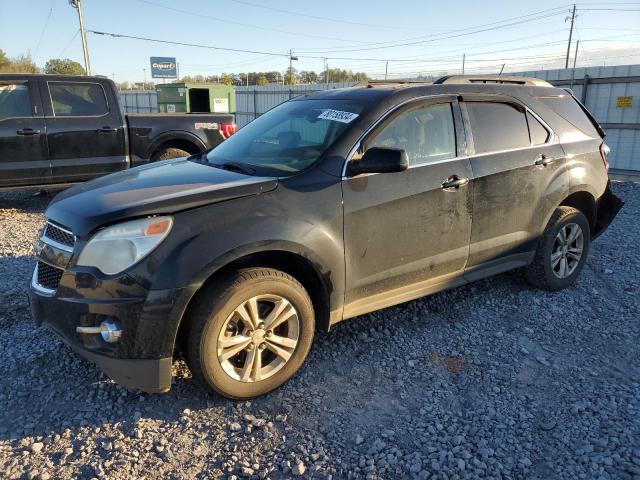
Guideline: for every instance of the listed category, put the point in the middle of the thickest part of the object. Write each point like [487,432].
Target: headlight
[120,246]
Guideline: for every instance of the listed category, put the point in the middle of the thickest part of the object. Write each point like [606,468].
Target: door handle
[454,181]
[28,131]
[543,160]
[107,130]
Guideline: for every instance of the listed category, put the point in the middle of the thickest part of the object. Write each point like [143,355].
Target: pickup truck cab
[62,129]
[327,207]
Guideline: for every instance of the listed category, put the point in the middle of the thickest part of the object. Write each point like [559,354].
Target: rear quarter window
[568,108]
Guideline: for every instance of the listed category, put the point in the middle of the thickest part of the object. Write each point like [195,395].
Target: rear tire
[168,154]
[250,332]
[562,250]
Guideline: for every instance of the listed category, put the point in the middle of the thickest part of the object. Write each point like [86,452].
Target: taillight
[227,129]
[604,153]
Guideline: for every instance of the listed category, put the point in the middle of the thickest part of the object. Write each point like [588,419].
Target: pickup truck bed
[61,129]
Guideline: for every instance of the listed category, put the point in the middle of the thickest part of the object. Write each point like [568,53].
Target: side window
[539,134]
[77,99]
[426,133]
[14,100]
[497,126]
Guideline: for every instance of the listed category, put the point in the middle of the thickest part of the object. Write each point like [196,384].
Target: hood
[164,187]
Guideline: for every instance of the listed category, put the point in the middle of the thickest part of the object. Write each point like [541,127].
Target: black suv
[327,207]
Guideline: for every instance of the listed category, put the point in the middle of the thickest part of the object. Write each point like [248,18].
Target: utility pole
[575,55]
[464,55]
[144,73]
[77,4]
[573,17]
[326,71]
[291,59]
[386,69]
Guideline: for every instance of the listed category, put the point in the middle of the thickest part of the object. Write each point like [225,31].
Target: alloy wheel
[258,338]
[567,250]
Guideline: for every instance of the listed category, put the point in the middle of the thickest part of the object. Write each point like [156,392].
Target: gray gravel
[491,380]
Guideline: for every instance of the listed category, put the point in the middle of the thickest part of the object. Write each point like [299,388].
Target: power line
[327,19]
[434,38]
[185,44]
[247,25]
[46,23]
[287,55]
[70,42]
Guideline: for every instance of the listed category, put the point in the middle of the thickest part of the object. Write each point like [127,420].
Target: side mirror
[380,160]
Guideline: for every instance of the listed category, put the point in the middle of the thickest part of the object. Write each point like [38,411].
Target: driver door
[406,234]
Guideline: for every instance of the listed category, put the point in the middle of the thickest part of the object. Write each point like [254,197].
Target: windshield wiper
[236,167]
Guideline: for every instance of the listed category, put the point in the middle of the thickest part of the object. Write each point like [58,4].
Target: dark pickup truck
[62,129]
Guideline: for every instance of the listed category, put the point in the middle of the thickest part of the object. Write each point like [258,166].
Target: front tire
[562,250]
[250,333]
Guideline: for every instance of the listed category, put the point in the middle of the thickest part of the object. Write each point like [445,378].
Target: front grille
[59,235]
[48,276]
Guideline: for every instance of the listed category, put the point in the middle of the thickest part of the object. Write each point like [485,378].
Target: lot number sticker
[338,116]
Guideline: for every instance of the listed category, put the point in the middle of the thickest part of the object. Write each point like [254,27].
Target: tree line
[289,77]
[25,64]
[65,66]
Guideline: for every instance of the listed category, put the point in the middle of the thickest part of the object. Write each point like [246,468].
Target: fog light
[110,331]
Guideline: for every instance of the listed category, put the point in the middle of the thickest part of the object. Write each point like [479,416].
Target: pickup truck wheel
[562,250]
[168,154]
[250,333]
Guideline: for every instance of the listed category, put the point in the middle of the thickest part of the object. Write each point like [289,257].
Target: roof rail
[505,80]
[393,82]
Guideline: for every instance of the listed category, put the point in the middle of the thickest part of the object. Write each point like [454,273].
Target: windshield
[287,139]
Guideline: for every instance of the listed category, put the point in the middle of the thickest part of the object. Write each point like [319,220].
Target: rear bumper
[608,207]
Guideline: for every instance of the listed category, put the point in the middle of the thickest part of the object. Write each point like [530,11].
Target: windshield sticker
[206,126]
[338,116]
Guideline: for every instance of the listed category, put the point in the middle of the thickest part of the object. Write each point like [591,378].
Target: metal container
[196,98]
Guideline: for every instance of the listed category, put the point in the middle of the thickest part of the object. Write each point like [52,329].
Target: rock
[359,439]
[36,447]
[235,427]
[299,468]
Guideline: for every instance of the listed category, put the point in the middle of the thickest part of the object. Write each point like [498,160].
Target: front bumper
[142,358]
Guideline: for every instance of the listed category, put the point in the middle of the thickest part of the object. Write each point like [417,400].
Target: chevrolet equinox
[329,206]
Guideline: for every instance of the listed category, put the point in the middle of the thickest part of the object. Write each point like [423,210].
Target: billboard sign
[163,67]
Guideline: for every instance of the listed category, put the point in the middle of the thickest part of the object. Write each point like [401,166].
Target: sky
[414,36]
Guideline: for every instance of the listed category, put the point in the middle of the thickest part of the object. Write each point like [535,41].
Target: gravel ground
[492,380]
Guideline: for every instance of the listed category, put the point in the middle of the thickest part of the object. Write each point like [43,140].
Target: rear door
[406,233]
[519,176]
[24,158]
[85,130]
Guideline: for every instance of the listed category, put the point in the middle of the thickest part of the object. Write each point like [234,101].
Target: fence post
[255,103]
[585,83]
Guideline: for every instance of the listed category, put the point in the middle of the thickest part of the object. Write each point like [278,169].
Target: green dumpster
[196,97]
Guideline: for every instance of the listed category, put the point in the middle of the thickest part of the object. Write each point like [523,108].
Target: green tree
[306,76]
[263,80]
[227,79]
[290,77]
[20,64]
[4,61]
[64,66]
